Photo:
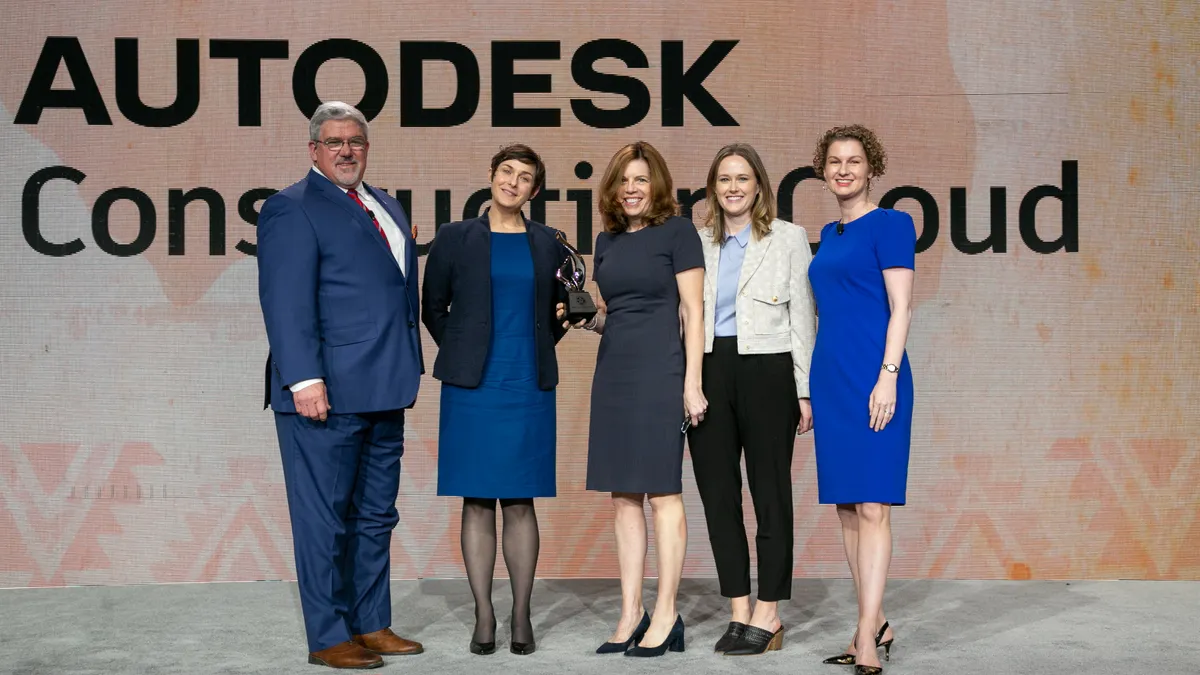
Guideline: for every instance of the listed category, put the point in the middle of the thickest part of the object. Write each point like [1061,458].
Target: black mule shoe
[674,642]
[867,670]
[755,641]
[732,633]
[848,659]
[622,647]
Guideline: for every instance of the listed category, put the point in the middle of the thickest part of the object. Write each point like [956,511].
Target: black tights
[521,543]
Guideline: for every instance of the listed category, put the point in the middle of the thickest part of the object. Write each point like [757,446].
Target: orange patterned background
[1056,426]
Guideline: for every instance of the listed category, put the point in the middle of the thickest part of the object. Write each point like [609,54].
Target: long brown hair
[662,188]
[762,211]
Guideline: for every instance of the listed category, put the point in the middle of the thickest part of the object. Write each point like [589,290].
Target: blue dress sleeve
[896,241]
[687,252]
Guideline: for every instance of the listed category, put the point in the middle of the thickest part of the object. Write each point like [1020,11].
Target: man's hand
[312,402]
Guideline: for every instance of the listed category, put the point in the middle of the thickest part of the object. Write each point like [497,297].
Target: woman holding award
[649,268]
[489,299]
[759,327]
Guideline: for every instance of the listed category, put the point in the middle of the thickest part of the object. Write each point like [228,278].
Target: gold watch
[891,368]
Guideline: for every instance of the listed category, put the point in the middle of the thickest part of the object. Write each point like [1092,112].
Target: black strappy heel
[848,659]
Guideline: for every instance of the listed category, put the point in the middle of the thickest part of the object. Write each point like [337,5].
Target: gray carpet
[955,627]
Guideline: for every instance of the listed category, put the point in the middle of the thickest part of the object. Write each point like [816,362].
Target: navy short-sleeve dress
[856,464]
[635,443]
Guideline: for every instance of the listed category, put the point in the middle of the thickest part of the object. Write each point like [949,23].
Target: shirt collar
[742,237]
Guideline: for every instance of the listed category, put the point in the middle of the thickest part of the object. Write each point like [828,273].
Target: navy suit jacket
[335,302]
[457,299]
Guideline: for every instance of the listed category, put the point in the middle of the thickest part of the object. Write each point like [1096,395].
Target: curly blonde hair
[876,155]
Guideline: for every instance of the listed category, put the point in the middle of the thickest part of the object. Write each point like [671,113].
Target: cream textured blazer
[775,306]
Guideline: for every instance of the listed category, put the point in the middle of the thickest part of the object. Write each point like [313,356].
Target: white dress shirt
[395,240]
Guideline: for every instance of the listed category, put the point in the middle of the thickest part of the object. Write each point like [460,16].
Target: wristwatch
[891,368]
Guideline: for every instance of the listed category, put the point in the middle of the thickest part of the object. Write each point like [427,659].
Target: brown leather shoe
[388,643]
[345,655]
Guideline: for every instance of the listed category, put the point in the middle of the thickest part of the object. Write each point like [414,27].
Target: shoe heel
[677,644]
[776,642]
[887,650]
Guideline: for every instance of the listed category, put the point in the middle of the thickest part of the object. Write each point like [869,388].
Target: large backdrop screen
[1047,153]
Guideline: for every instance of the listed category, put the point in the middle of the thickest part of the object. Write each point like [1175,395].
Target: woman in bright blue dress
[860,381]
[489,298]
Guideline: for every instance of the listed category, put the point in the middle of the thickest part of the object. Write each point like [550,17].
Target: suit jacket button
[412,324]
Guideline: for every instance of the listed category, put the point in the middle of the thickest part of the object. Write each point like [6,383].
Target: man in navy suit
[337,281]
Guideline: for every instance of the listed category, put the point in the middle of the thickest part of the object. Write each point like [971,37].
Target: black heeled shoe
[674,642]
[848,659]
[485,648]
[732,633]
[867,670]
[522,648]
[622,647]
[756,641]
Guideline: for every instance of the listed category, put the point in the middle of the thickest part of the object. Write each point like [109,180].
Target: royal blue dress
[498,439]
[856,464]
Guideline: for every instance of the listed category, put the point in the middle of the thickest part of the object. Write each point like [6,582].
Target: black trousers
[752,404]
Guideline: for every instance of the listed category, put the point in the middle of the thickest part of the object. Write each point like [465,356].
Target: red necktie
[354,195]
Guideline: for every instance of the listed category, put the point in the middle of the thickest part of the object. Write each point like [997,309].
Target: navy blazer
[335,302]
[456,298]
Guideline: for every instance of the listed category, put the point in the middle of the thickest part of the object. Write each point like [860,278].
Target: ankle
[739,608]
[768,621]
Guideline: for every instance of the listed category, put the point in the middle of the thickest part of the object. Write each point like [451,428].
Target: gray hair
[334,110]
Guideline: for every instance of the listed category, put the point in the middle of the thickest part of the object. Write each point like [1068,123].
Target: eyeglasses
[335,144]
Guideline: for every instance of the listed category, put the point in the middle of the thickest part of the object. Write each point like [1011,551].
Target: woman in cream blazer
[759,331]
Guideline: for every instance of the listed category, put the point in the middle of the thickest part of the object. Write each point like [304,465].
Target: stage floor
[957,627]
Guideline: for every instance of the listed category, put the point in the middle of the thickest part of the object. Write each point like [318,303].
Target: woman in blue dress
[489,298]
[860,382]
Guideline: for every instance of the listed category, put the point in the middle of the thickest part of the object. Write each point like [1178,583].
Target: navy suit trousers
[342,479]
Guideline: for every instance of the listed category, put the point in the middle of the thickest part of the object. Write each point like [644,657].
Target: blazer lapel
[333,193]
[756,250]
[712,259]
[397,217]
[401,224]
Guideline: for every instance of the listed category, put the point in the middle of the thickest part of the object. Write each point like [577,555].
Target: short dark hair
[524,154]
